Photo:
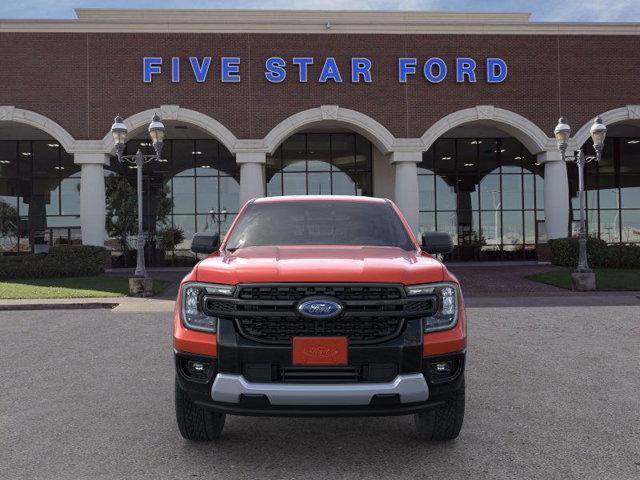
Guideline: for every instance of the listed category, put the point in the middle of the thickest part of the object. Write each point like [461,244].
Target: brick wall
[81,80]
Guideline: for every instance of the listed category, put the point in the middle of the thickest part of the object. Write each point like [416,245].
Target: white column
[92,197]
[406,184]
[556,194]
[251,175]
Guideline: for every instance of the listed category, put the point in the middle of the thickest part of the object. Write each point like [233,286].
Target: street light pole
[156,132]
[583,263]
[562,133]
[141,270]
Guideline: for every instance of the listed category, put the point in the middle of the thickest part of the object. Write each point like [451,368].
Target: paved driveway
[552,393]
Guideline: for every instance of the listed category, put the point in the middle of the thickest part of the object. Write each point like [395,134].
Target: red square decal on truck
[320,351]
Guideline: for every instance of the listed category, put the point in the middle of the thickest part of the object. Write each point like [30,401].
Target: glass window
[467,154]
[445,156]
[70,196]
[488,155]
[207,194]
[294,153]
[512,192]
[321,164]
[427,164]
[294,183]
[342,184]
[630,191]
[274,185]
[326,223]
[182,192]
[629,155]
[229,194]
[610,225]
[445,194]
[491,211]
[318,153]
[183,157]
[630,226]
[320,184]
[426,187]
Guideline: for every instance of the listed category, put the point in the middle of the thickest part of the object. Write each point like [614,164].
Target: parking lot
[552,392]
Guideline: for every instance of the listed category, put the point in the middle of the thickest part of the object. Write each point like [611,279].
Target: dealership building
[450,115]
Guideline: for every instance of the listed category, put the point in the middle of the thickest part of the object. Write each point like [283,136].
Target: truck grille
[268,314]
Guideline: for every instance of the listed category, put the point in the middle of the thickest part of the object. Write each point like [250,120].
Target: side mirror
[437,242]
[205,242]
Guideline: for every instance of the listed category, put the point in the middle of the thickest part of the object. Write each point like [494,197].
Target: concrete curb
[57,306]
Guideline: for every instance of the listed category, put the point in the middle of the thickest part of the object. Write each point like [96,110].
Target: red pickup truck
[320,306]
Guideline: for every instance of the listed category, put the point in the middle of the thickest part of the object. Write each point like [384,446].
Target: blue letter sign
[434,69]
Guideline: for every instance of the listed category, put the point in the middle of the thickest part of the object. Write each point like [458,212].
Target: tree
[9,223]
[122,210]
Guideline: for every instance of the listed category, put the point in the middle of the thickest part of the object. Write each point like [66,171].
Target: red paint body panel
[320,264]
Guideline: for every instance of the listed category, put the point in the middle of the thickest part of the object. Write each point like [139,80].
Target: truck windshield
[319,223]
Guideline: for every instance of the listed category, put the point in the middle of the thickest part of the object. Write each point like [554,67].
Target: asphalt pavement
[552,392]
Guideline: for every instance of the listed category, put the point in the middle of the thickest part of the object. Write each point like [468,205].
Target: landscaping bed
[607,279]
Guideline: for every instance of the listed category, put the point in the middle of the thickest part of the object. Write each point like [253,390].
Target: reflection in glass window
[320,164]
[612,191]
[194,188]
[39,195]
[486,192]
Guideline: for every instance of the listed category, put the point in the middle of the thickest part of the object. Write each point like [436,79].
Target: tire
[442,423]
[195,422]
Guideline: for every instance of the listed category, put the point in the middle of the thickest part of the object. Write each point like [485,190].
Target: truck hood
[320,264]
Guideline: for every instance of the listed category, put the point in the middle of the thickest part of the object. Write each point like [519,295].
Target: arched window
[194,188]
[486,192]
[39,194]
[321,164]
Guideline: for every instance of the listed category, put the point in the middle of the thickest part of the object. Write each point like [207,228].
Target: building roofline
[310,21]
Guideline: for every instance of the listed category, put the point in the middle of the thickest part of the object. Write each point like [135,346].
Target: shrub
[564,252]
[170,237]
[620,256]
[61,261]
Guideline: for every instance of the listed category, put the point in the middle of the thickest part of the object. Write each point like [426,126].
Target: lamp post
[583,278]
[156,132]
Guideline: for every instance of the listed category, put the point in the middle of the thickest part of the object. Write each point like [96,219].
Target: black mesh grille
[268,313]
[357,329]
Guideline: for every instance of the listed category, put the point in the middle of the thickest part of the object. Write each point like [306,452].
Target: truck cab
[320,306]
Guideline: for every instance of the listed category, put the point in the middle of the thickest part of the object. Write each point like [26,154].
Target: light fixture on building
[633,142]
[196,153]
[476,142]
[205,166]
[598,133]
[156,133]
[58,168]
[517,158]
[53,145]
[5,162]
[25,154]
[469,164]
[446,158]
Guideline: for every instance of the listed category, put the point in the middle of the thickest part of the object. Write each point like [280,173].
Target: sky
[542,10]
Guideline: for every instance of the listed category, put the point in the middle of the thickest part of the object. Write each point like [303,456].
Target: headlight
[447,315]
[192,314]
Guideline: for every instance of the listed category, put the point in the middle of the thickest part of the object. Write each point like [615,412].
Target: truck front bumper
[409,388]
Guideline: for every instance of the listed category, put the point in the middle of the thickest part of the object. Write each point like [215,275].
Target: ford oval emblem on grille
[320,309]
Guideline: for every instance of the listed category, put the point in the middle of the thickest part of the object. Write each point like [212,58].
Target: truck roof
[320,198]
